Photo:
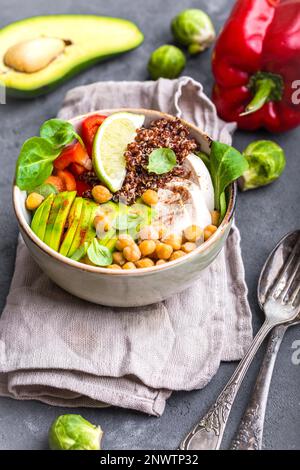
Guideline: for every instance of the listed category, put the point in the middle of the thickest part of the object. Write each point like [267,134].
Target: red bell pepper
[256,64]
[74,153]
[89,129]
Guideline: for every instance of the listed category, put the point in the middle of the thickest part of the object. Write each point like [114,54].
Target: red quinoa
[162,133]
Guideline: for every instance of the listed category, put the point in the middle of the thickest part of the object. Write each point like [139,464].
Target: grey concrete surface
[263,216]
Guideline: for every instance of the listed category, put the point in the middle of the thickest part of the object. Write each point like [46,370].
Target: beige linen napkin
[64,351]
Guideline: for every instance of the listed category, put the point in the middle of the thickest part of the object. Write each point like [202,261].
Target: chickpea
[164,251]
[215,217]
[123,241]
[177,254]
[118,258]
[150,197]
[148,233]
[129,265]
[33,201]
[174,240]
[114,266]
[193,233]
[101,194]
[188,247]
[132,253]
[147,247]
[144,263]
[209,231]
[160,262]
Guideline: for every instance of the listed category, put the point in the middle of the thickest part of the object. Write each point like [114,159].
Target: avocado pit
[35,54]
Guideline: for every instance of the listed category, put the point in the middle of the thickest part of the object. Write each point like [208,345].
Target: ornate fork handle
[208,434]
[250,433]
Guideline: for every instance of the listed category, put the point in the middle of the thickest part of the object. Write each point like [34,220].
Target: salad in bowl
[125,193]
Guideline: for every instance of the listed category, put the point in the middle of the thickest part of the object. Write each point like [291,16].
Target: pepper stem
[265,87]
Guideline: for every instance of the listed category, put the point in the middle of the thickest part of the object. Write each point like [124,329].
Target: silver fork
[250,432]
[280,300]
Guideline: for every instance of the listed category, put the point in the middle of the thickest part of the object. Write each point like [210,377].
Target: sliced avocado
[85,40]
[40,218]
[61,218]
[72,223]
[52,217]
[109,239]
[111,209]
[91,231]
[85,226]
[111,243]
[80,252]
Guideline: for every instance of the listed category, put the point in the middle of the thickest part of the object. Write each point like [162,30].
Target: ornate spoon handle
[250,433]
[208,434]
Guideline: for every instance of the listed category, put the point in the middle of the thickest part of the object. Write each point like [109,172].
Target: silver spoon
[279,288]
[250,432]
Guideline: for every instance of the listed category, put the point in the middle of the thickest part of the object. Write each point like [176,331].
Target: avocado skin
[22,93]
[73,222]
[61,218]
[40,218]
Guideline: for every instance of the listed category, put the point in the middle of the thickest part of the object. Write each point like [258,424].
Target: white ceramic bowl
[125,288]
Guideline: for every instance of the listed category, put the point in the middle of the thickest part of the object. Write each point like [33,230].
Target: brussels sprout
[73,432]
[167,62]
[193,28]
[266,163]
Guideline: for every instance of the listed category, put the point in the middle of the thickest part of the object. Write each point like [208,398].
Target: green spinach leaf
[226,165]
[37,154]
[58,132]
[35,163]
[99,254]
[161,160]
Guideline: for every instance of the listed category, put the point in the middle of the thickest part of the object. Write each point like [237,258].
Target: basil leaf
[45,190]
[161,161]
[226,165]
[58,132]
[98,254]
[35,163]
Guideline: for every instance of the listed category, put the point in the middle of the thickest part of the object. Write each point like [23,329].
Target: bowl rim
[106,271]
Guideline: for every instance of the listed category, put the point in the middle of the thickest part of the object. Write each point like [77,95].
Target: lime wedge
[110,143]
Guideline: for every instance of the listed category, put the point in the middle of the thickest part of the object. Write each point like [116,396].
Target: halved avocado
[40,218]
[61,218]
[86,40]
[72,222]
